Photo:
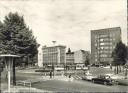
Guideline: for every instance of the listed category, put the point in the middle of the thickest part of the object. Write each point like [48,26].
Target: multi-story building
[103,42]
[40,64]
[69,58]
[54,55]
[81,56]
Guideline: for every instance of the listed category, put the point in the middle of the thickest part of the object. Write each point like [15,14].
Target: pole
[9,76]
[9,81]
[0,81]
[14,74]
[126,73]
[127,22]
[1,69]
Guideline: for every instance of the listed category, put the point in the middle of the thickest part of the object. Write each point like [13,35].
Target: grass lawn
[99,71]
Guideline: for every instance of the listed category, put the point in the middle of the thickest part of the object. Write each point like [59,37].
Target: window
[96,59]
[101,39]
[101,47]
[95,55]
[95,44]
[102,43]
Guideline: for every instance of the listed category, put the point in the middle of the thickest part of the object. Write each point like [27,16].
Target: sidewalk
[19,89]
[22,89]
[63,78]
[28,71]
[117,76]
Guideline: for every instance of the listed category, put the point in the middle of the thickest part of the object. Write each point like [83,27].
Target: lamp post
[8,59]
[1,69]
[126,66]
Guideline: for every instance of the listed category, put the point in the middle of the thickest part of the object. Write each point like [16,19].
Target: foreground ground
[78,86]
[69,86]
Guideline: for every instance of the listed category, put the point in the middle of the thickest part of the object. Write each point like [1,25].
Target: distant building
[103,41]
[69,57]
[80,56]
[54,55]
[40,60]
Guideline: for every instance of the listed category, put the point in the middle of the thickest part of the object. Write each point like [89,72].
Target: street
[72,86]
[68,86]
[78,86]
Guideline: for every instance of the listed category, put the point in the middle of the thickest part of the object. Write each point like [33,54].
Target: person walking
[50,74]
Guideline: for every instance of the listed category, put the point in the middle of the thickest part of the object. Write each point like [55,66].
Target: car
[115,77]
[88,77]
[107,67]
[103,79]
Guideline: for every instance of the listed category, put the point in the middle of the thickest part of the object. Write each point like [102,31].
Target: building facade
[81,56]
[103,42]
[40,60]
[54,55]
[69,58]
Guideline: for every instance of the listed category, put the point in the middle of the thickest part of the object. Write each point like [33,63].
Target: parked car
[87,77]
[97,65]
[115,77]
[119,79]
[103,79]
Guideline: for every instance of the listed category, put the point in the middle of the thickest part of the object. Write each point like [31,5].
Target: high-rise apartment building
[54,55]
[103,42]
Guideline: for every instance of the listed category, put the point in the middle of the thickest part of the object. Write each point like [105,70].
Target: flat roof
[8,55]
[70,53]
[107,29]
[53,46]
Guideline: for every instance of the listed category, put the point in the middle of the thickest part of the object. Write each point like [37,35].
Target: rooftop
[54,46]
[70,53]
[8,55]
[107,29]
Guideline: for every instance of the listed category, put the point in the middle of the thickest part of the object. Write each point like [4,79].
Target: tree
[126,65]
[87,61]
[16,37]
[119,55]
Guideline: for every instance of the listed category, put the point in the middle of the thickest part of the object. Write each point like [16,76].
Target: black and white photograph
[55,46]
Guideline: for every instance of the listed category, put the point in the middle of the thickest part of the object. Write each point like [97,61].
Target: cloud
[68,22]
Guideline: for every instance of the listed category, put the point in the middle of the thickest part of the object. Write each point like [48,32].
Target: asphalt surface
[71,86]
[78,86]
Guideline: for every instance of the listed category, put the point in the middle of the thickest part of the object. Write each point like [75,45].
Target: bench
[26,82]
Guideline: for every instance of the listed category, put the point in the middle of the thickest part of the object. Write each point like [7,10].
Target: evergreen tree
[87,61]
[16,37]
[119,55]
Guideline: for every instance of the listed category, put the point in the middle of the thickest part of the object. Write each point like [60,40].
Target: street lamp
[1,69]
[8,59]
[126,66]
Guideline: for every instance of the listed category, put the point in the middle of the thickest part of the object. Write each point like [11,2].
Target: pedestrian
[110,66]
[6,76]
[69,76]
[50,74]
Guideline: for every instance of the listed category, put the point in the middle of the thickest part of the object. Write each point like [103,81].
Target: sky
[69,22]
